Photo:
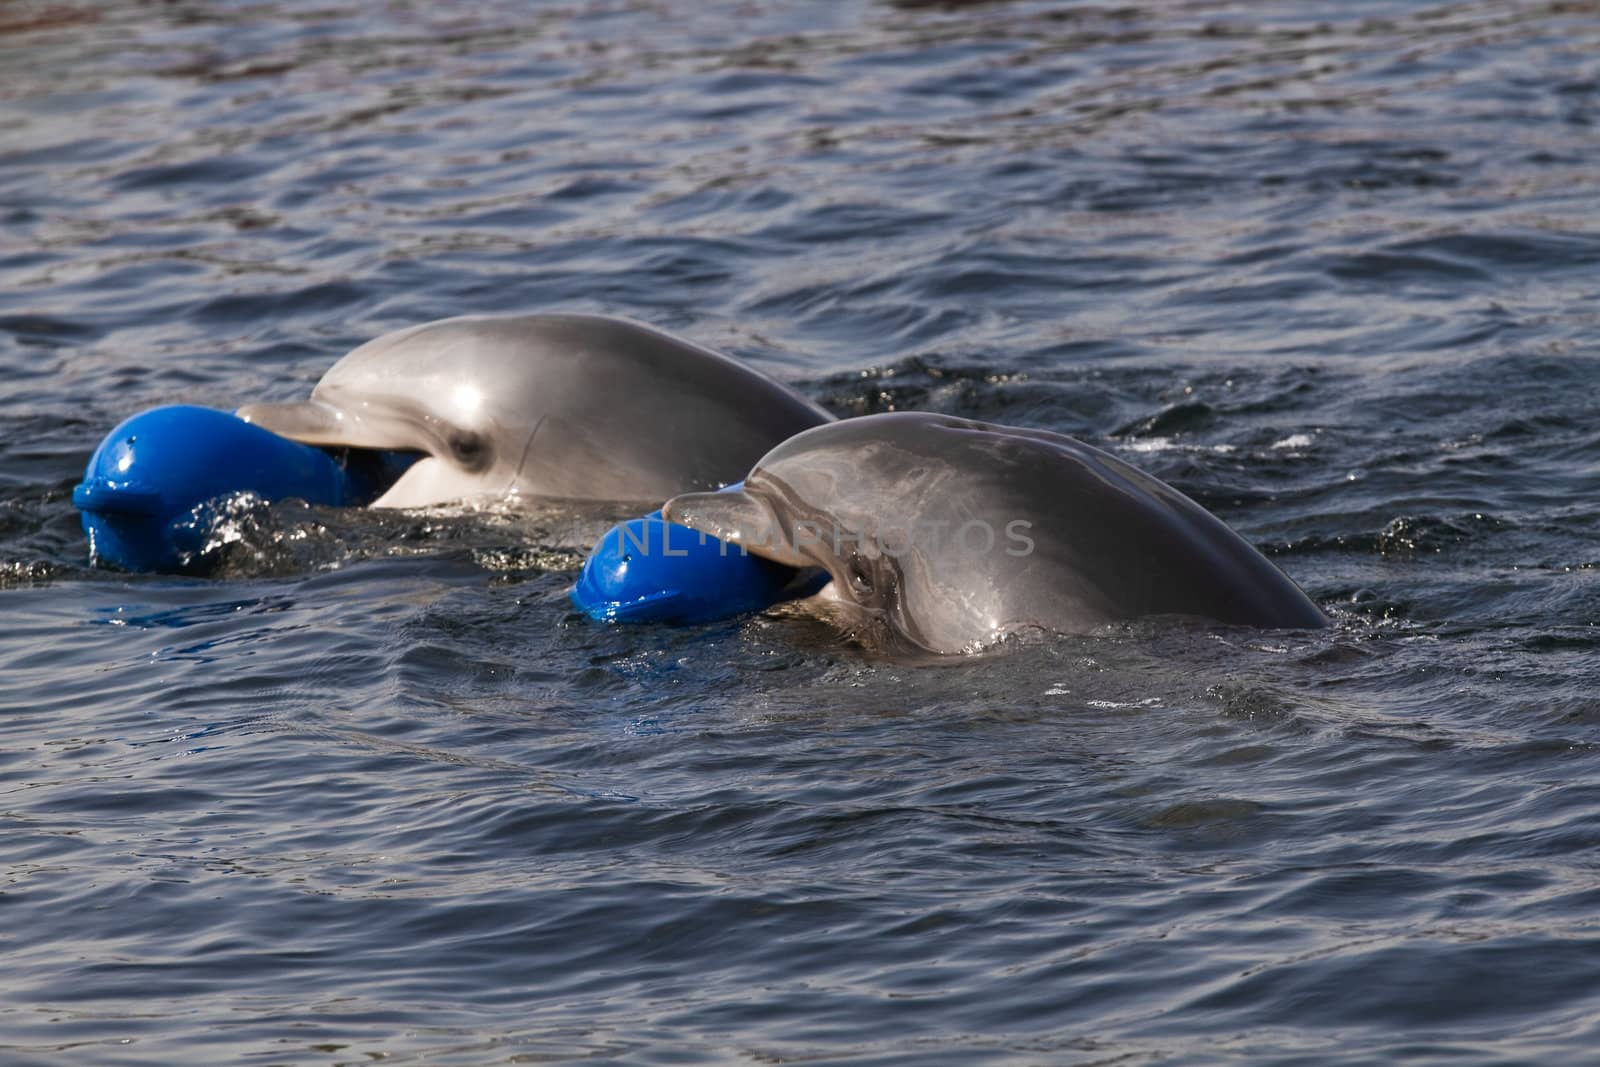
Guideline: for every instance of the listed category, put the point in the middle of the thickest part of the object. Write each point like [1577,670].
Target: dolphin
[577,407]
[945,535]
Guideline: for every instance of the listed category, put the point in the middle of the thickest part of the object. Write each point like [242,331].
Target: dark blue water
[376,793]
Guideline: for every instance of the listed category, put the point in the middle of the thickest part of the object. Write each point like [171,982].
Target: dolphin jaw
[431,481]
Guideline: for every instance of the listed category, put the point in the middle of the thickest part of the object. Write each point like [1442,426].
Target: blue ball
[652,570]
[146,491]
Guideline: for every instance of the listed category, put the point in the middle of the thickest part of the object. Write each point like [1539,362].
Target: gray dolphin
[946,535]
[581,407]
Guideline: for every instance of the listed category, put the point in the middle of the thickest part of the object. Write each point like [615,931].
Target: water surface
[374,791]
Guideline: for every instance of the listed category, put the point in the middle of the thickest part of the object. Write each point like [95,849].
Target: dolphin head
[447,389]
[920,553]
[947,535]
[567,406]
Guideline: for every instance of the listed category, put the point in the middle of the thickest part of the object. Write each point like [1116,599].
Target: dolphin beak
[739,518]
[317,422]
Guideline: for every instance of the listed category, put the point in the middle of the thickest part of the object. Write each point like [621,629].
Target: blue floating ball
[145,491]
[652,570]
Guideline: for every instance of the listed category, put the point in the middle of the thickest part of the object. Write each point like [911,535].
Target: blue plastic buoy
[145,492]
[652,570]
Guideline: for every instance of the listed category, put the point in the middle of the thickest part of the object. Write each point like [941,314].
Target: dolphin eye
[860,577]
[468,449]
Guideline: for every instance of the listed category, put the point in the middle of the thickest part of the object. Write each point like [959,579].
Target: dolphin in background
[577,407]
[945,535]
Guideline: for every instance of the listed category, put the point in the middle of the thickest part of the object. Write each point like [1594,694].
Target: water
[375,792]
